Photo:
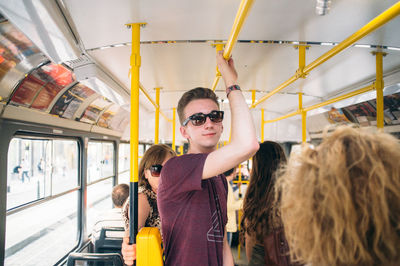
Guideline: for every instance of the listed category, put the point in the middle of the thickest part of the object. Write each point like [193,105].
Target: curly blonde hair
[340,202]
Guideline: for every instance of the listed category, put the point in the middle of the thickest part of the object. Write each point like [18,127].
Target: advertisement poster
[391,108]
[69,102]
[56,78]
[364,113]
[118,119]
[59,75]
[14,46]
[27,90]
[337,116]
[108,115]
[93,111]
[46,96]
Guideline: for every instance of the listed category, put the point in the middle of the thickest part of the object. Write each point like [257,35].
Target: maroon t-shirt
[193,212]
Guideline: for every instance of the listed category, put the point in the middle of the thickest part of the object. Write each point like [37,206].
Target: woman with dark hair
[149,176]
[260,213]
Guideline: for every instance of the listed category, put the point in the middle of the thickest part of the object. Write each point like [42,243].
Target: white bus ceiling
[177,53]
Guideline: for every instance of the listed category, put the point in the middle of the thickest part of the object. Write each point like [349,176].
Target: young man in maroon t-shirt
[192,192]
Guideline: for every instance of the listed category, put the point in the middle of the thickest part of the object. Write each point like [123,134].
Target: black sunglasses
[199,119]
[155,170]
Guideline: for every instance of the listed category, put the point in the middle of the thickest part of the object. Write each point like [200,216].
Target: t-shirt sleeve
[182,174]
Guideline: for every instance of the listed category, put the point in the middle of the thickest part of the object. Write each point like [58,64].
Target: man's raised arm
[244,142]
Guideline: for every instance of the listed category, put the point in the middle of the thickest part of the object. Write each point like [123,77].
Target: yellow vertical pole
[157,117]
[173,127]
[302,57]
[304,126]
[379,90]
[240,219]
[253,96]
[218,47]
[262,125]
[240,192]
[135,62]
[303,119]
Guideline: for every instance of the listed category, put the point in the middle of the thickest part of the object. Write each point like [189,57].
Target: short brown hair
[156,154]
[194,94]
[119,194]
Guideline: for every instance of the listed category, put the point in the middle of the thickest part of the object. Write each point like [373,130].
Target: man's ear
[184,132]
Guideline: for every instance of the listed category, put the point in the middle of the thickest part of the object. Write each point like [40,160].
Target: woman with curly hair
[340,202]
[260,213]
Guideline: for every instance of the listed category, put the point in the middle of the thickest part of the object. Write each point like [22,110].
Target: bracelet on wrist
[232,88]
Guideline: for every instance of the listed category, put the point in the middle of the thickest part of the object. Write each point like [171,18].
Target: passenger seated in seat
[149,175]
[113,217]
[340,202]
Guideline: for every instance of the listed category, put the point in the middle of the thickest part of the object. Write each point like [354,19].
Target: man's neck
[200,149]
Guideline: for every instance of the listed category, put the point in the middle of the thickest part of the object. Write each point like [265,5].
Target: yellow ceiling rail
[153,102]
[381,19]
[322,104]
[241,15]
[166,117]
[340,98]
[147,95]
[282,117]
[276,90]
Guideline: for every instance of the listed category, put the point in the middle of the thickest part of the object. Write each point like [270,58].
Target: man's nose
[208,122]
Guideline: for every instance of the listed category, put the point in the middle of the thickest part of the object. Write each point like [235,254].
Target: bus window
[124,163]
[100,180]
[39,168]
[100,160]
[35,173]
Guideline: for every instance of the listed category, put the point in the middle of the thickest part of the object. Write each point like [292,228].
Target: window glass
[100,160]
[124,163]
[98,201]
[39,168]
[42,234]
[123,157]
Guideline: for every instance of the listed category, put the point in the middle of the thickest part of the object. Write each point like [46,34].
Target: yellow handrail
[378,84]
[241,15]
[157,117]
[135,62]
[328,102]
[339,98]
[384,17]
[173,127]
[153,102]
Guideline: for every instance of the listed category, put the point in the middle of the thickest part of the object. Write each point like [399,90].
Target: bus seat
[106,242]
[149,250]
[104,258]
